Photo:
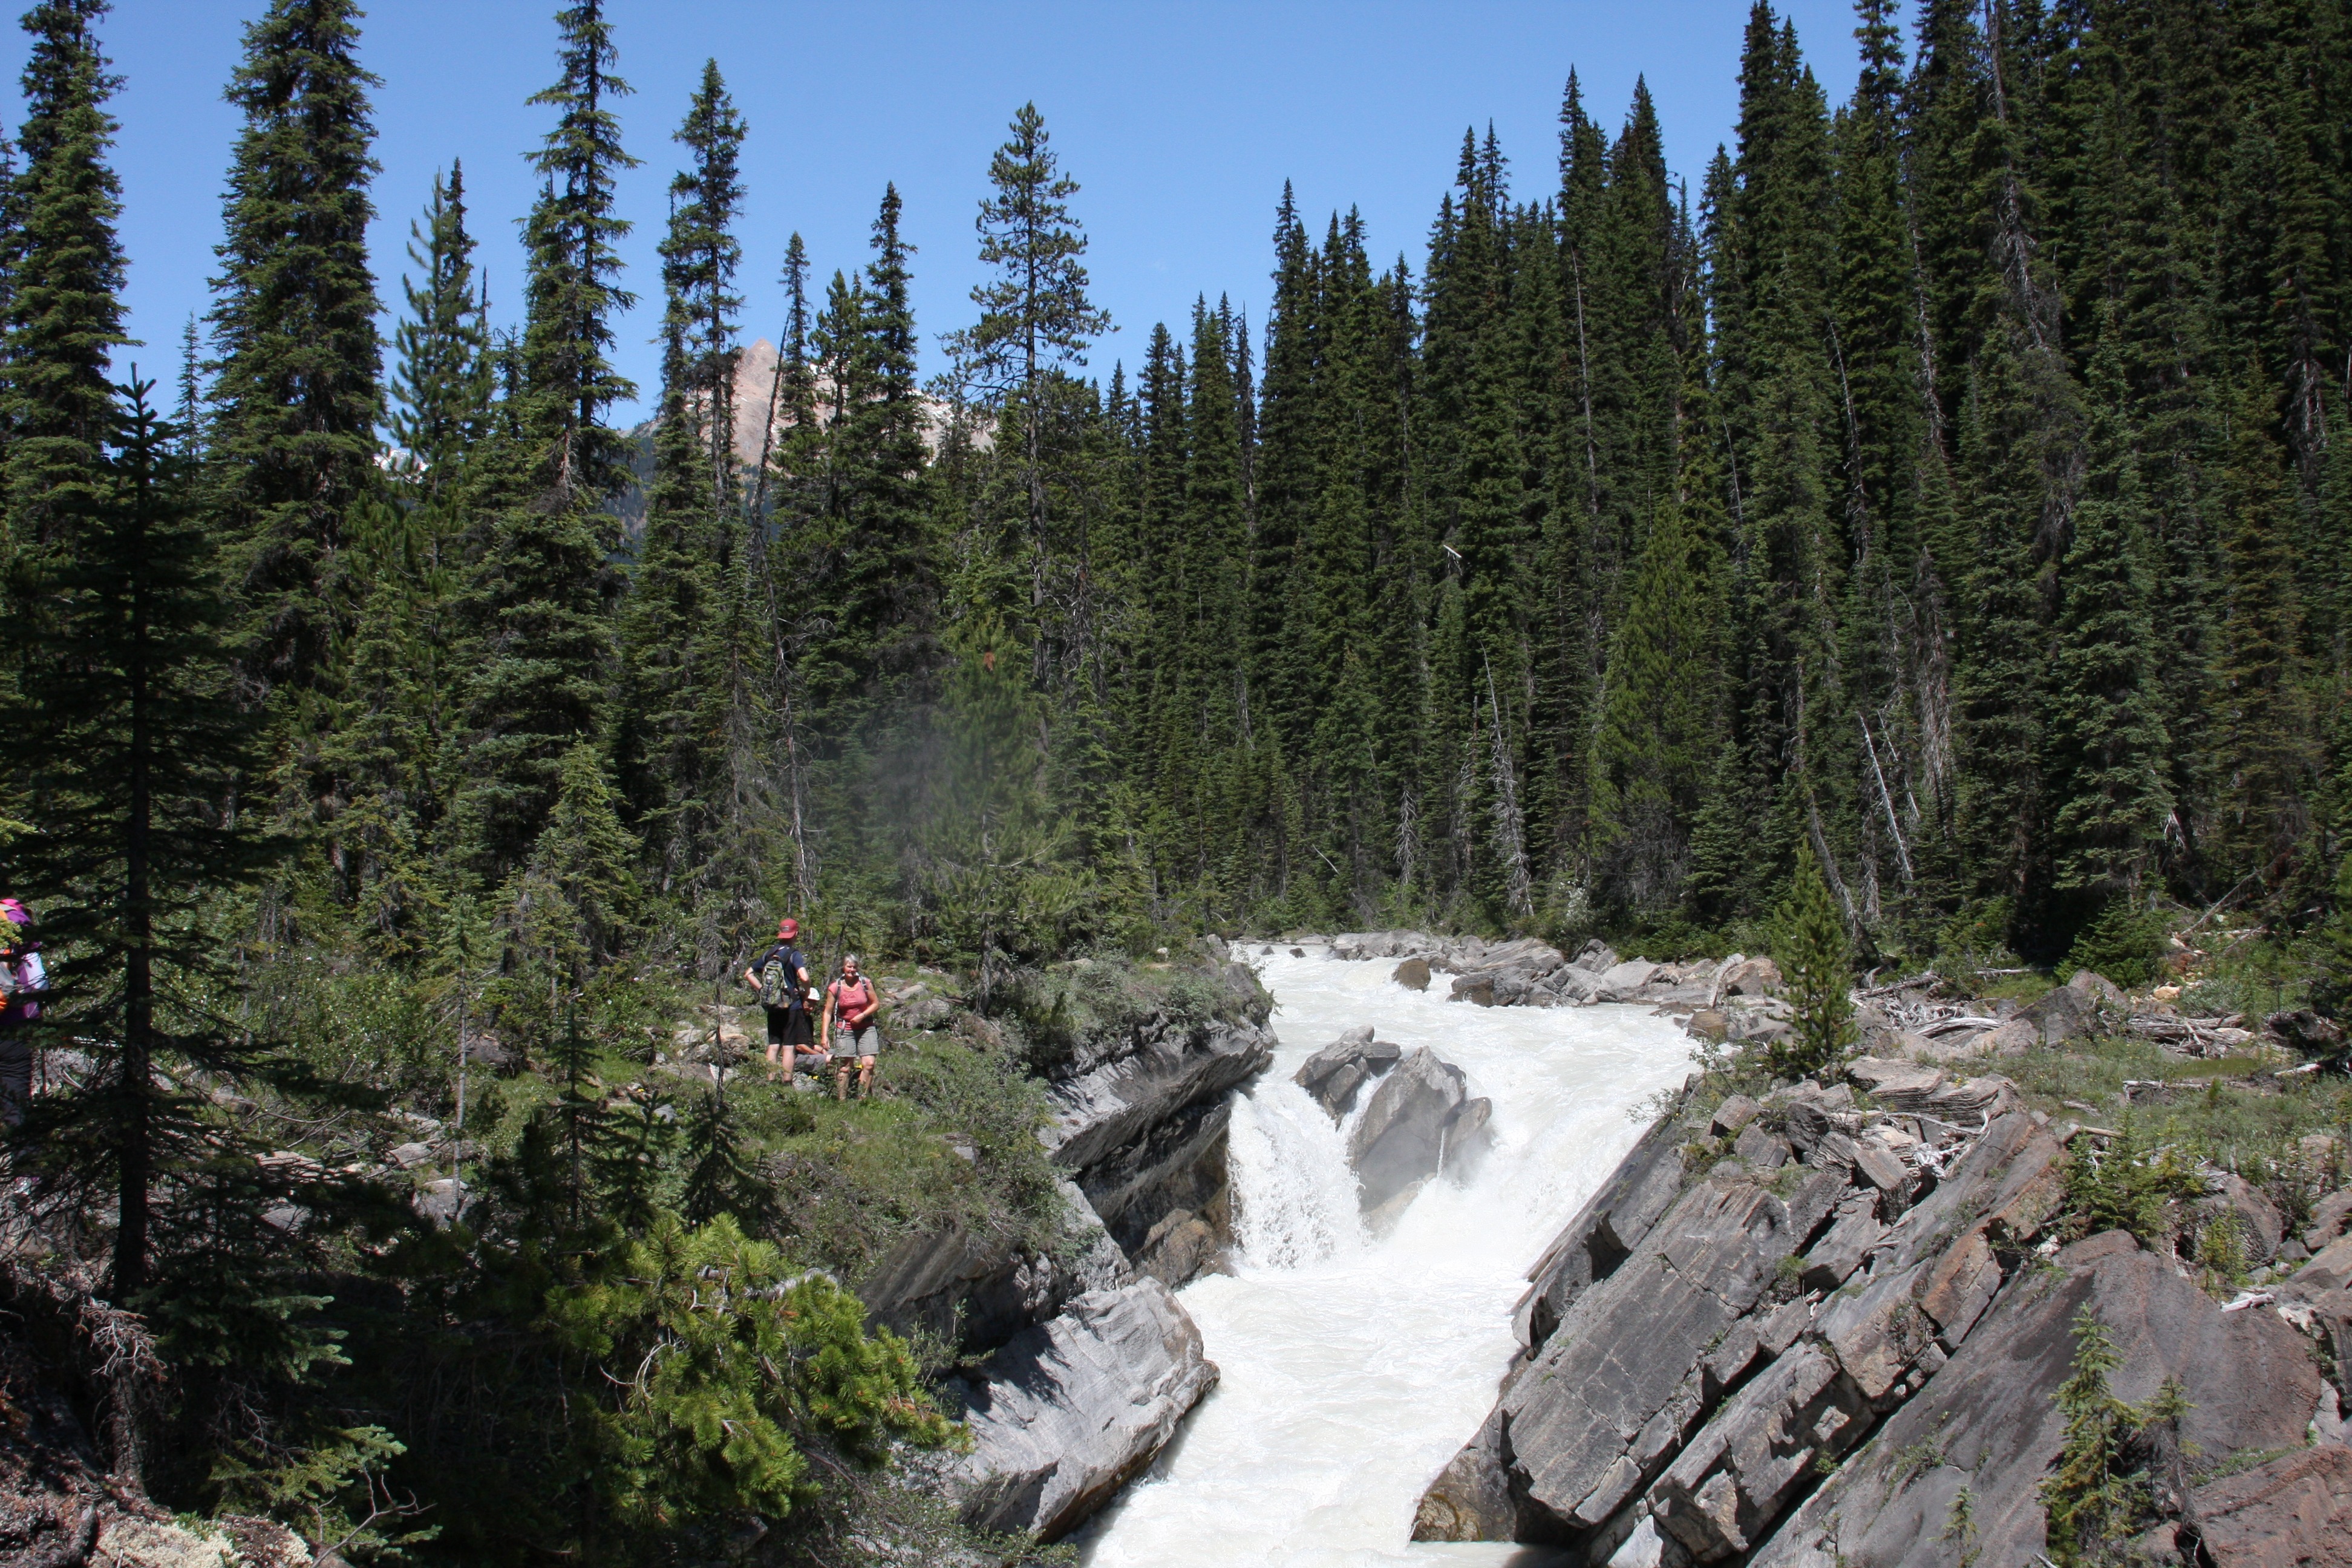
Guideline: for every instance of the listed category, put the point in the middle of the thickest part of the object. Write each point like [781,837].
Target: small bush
[2122,943]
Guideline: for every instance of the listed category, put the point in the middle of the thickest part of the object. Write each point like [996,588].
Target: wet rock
[1604,1233]
[1422,1120]
[2294,1512]
[1478,989]
[1333,1075]
[1412,974]
[1471,1498]
[1067,1413]
[1989,1419]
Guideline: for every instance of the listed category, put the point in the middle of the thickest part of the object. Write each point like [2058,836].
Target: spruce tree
[1810,940]
[1035,315]
[296,394]
[65,271]
[543,583]
[127,738]
[2107,727]
[441,383]
[675,649]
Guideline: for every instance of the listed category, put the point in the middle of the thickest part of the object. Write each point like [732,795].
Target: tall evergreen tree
[129,736]
[441,385]
[296,394]
[65,270]
[542,583]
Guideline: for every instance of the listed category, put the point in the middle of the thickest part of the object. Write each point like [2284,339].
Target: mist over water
[1355,1368]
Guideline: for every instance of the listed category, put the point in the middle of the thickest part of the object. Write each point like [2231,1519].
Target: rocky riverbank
[1090,1361]
[1870,1281]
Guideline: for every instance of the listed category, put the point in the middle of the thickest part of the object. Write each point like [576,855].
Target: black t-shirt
[785,953]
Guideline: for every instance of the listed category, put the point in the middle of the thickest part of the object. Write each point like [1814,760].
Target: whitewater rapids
[1354,1369]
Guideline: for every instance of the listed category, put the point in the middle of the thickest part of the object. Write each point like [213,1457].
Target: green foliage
[727,1369]
[2097,1494]
[1809,940]
[2127,1185]
[2122,943]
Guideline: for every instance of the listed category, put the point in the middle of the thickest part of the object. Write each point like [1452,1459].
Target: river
[1354,1368]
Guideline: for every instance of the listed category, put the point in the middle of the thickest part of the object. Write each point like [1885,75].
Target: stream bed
[1355,1368]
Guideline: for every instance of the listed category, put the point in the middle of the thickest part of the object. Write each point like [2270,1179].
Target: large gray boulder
[1332,1076]
[1422,1121]
[1070,1410]
[1140,1122]
[1989,1420]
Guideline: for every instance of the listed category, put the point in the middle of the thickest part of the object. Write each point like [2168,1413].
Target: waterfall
[1353,1367]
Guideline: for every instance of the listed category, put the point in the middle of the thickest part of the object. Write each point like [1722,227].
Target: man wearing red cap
[785,993]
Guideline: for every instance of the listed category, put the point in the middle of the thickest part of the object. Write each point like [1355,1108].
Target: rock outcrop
[1423,1121]
[1139,1123]
[1067,1411]
[1817,1284]
[1986,1423]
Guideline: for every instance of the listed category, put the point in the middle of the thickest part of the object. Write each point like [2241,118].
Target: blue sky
[1181,122]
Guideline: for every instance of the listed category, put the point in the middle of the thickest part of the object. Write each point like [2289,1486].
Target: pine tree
[296,395]
[64,271]
[127,738]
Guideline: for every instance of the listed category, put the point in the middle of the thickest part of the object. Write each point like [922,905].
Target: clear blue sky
[1181,122]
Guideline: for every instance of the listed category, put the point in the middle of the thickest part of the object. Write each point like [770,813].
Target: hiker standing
[780,976]
[25,978]
[851,1000]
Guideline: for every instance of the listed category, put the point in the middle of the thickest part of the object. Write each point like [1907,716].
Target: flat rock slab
[1070,1410]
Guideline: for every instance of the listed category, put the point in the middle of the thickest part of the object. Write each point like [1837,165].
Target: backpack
[777,988]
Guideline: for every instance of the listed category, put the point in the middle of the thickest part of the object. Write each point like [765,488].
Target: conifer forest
[1949,489]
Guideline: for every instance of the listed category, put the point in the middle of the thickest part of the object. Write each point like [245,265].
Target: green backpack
[776,989]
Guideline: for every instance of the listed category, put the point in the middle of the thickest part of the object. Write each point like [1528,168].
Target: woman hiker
[786,1001]
[850,999]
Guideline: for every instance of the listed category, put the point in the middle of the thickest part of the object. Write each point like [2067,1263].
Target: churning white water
[1354,1368]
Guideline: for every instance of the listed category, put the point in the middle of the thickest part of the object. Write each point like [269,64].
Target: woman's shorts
[865,1042]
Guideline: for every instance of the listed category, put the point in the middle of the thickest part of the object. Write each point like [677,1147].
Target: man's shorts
[788,1027]
[854,1043]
